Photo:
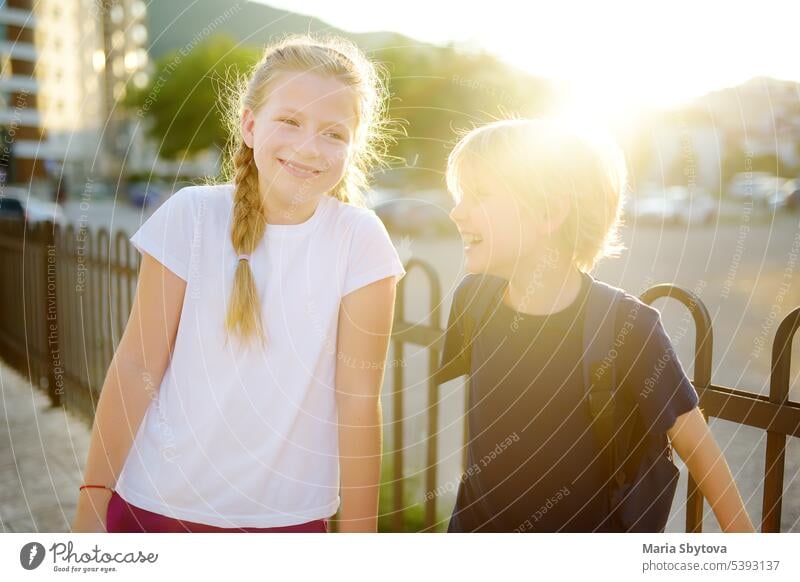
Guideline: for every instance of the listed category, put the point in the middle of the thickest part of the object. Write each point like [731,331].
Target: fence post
[55,371]
[703,359]
[776,441]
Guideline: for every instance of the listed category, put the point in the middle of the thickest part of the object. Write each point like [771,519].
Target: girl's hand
[90,516]
[694,443]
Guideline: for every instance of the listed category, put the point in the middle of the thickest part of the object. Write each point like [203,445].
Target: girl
[537,205]
[248,378]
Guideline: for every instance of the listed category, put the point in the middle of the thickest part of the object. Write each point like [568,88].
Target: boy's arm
[695,444]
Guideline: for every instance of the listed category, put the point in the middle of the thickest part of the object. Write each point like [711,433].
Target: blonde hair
[547,162]
[329,56]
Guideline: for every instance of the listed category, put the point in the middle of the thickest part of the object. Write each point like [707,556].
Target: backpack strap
[600,374]
[483,295]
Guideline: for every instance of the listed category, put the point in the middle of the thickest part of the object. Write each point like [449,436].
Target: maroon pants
[122,517]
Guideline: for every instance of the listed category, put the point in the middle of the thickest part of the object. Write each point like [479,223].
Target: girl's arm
[365,326]
[694,443]
[133,379]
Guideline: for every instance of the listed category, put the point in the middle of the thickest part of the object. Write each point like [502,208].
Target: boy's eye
[335,135]
[288,121]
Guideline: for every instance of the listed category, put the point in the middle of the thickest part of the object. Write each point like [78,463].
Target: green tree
[184,101]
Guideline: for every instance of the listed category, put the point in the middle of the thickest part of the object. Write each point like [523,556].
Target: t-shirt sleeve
[372,255]
[167,234]
[454,361]
[655,377]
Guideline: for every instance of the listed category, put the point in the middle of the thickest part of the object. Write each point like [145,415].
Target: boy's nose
[457,213]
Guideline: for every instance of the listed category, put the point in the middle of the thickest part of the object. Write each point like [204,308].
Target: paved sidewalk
[42,454]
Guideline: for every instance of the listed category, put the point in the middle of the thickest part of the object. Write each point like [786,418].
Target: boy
[538,203]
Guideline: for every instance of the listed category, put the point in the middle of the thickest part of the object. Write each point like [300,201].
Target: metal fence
[66,295]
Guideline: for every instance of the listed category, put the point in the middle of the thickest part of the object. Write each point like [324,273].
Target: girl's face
[499,233]
[301,136]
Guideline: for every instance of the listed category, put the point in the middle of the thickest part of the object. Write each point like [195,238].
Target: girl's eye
[335,135]
[288,121]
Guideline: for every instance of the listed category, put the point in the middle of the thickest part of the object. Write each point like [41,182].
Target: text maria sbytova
[694,550]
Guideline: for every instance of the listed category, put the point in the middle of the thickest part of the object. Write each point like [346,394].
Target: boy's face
[301,136]
[500,234]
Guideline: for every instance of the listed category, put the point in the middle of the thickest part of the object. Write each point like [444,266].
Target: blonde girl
[244,393]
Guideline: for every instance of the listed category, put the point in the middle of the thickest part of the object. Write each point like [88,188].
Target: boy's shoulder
[632,314]
[627,301]
[632,311]
[474,283]
[630,308]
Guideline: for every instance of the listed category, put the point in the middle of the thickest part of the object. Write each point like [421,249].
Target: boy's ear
[554,215]
[248,123]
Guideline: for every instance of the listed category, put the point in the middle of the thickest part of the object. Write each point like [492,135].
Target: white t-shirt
[240,435]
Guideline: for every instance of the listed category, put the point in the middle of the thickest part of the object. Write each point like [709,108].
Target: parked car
[145,194]
[17,204]
[427,212]
[741,184]
[787,196]
[675,205]
[757,187]
[92,189]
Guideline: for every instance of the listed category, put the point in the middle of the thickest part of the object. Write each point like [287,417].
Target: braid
[334,57]
[249,223]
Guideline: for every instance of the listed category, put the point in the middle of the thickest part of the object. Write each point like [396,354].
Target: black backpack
[642,476]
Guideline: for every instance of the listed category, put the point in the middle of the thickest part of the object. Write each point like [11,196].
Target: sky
[616,56]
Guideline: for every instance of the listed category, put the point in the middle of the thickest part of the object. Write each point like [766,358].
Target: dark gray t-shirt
[532,458]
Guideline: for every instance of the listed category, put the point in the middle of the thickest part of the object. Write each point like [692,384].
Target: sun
[614,104]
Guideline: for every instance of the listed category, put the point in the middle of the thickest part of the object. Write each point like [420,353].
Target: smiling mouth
[471,240]
[299,170]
